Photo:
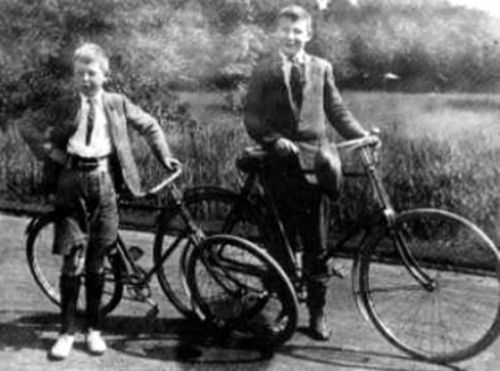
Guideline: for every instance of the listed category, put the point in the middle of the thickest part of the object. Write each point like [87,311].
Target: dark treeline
[157,45]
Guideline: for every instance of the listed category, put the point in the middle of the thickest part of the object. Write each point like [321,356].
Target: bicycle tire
[46,267]
[241,290]
[209,208]
[431,286]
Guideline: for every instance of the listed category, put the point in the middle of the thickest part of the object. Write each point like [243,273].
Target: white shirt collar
[97,97]
[300,57]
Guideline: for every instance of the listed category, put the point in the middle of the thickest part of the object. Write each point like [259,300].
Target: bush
[193,44]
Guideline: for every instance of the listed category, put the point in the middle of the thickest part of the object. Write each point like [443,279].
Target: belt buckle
[85,164]
[88,165]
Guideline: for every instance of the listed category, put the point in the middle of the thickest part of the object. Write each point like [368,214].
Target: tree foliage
[156,45]
[37,66]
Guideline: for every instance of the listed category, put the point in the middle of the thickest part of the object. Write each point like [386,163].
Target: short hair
[90,52]
[296,13]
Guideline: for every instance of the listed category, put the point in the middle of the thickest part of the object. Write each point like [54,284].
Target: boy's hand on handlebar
[285,147]
[375,132]
[172,164]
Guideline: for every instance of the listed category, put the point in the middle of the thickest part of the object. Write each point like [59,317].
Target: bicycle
[428,279]
[241,270]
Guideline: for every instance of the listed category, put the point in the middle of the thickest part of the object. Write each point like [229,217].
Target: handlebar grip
[165,182]
[369,140]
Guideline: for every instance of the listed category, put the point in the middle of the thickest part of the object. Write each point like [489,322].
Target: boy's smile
[292,35]
[89,77]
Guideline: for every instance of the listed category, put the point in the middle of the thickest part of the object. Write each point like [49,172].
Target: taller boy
[290,97]
[86,137]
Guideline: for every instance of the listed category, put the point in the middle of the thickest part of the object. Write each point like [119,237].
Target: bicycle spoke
[231,283]
[458,315]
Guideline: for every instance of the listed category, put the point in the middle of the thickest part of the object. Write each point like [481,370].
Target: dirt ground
[28,326]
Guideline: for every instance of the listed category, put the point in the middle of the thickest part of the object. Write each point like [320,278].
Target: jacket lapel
[280,70]
[308,72]
[109,111]
[312,89]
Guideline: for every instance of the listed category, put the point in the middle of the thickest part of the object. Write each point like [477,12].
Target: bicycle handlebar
[260,154]
[369,140]
[165,182]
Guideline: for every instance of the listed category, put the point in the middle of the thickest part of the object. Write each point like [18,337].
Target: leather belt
[87,163]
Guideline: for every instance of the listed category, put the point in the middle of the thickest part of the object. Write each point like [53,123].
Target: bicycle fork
[356,269]
[404,253]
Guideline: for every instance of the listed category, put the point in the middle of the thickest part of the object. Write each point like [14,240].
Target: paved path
[28,326]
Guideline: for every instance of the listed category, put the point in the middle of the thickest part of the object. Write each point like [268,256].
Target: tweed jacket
[270,112]
[59,122]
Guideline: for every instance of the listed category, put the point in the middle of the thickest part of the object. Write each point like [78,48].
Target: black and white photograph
[250,185]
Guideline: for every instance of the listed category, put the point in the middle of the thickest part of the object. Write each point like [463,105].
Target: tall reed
[457,172]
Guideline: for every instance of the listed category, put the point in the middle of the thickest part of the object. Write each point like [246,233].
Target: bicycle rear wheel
[210,209]
[431,286]
[46,267]
[240,289]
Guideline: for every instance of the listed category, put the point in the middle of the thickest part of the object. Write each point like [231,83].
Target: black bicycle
[240,276]
[428,279]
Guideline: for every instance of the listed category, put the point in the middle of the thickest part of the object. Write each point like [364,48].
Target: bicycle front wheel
[431,286]
[241,290]
[46,267]
[213,210]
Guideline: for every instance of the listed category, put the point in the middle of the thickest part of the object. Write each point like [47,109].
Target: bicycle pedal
[152,313]
[336,269]
[333,271]
[135,252]
[302,296]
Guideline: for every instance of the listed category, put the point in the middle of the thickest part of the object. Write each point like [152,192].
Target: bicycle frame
[369,160]
[135,276]
[367,149]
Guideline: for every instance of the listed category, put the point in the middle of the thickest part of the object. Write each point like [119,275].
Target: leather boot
[318,327]
[316,301]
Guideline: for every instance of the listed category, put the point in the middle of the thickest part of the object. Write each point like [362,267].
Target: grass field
[439,150]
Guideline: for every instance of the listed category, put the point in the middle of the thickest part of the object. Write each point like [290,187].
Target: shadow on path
[27,332]
[189,342]
[351,357]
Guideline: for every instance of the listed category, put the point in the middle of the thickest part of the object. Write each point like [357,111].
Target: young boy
[290,96]
[85,135]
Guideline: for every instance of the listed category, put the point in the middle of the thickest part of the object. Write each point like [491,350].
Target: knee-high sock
[70,288]
[94,283]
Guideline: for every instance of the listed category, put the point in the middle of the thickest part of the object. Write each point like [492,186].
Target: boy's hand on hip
[58,156]
[285,147]
[54,153]
[172,163]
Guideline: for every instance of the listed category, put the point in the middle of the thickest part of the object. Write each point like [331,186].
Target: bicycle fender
[37,220]
[370,238]
[355,286]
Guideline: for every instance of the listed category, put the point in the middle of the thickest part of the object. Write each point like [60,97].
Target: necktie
[90,120]
[296,82]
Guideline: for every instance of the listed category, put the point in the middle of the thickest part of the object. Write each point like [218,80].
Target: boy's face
[89,77]
[293,35]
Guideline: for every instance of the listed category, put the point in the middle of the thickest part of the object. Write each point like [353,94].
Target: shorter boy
[85,136]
